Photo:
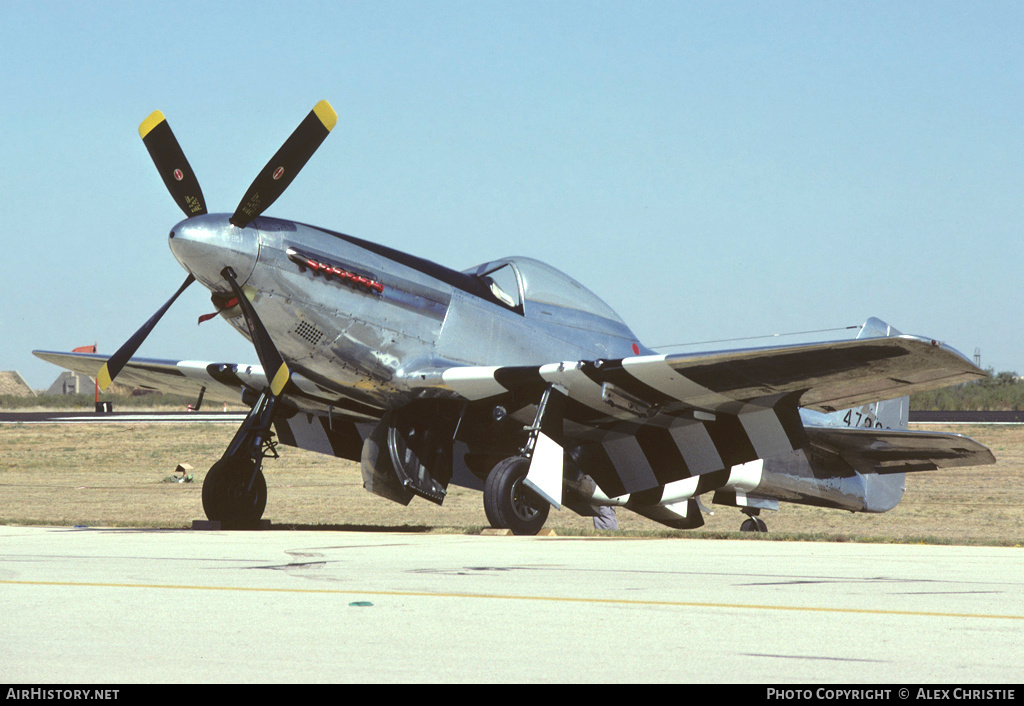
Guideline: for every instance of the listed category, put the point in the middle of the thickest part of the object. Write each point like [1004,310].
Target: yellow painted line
[490,596]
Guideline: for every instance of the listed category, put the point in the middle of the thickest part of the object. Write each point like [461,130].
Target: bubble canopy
[536,289]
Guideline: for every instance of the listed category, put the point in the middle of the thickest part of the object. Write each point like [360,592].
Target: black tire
[753,524]
[225,497]
[508,503]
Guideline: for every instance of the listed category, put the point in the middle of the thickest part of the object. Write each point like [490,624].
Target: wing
[636,423]
[318,422]
[822,376]
[224,382]
[827,377]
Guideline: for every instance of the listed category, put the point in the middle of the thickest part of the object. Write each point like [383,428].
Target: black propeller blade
[170,161]
[181,182]
[284,166]
[117,361]
[273,364]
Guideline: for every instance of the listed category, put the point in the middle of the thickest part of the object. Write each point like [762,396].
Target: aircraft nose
[205,245]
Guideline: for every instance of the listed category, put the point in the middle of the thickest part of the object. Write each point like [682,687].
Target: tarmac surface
[100,606]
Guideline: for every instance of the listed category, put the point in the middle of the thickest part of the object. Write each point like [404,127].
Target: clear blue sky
[713,170]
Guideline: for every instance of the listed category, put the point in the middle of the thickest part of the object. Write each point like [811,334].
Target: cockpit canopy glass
[537,290]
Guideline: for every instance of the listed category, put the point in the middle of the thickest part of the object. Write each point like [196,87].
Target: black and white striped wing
[637,423]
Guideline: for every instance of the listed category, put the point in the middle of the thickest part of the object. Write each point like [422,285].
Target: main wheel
[227,496]
[511,505]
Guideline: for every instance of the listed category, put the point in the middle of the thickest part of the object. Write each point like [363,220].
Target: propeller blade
[286,164]
[117,361]
[171,163]
[273,364]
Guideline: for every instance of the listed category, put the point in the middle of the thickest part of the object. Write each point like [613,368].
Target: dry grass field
[116,475]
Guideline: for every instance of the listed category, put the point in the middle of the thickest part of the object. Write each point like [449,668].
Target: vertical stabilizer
[888,414]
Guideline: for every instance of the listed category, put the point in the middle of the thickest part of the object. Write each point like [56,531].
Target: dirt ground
[117,475]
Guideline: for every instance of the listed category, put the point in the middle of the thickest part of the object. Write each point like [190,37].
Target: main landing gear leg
[234,489]
[508,502]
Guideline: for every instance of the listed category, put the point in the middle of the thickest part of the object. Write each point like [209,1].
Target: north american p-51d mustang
[512,378]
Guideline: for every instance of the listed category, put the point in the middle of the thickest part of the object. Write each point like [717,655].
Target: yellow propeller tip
[280,379]
[326,113]
[104,378]
[147,125]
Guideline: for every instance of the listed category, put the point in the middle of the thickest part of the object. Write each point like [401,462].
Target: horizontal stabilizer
[894,451]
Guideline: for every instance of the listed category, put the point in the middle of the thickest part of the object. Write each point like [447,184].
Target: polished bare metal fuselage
[360,342]
[356,321]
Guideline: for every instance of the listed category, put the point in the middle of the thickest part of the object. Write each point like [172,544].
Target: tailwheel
[508,503]
[235,490]
[753,523]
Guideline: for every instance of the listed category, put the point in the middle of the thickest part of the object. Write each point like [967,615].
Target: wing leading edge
[313,422]
[822,376]
[224,382]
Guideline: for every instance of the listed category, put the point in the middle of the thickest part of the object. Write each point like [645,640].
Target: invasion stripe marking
[711,481]
[663,454]
[594,457]
[630,463]
[746,477]
[305,433]
[698,449]
[525,381]
[680,489]
[655,372]
[731,440]
[613,372]
[766,432]
[473,383]
[581,388]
